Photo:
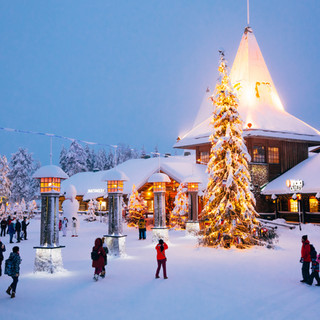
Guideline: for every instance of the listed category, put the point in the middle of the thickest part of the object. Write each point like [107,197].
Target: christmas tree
[180,210]
[136,207]
[228,202]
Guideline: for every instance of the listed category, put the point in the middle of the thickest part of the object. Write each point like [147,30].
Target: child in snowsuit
[99,260]
[13,271]
[161,258]
[64,226]
[315,270]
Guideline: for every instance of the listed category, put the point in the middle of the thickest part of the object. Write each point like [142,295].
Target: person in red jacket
[98,260]
[305,259]
[161,247]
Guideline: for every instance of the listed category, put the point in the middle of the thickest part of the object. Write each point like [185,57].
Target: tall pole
[50,150]
[248,15]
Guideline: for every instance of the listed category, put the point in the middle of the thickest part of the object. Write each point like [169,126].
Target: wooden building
[276,140]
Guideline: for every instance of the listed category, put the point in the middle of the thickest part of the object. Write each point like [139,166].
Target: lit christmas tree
[136,207]
[229,204]
[180,210]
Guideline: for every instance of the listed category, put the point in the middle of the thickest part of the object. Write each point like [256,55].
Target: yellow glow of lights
[50,185]
[159,187]
[115,186]
[193,187]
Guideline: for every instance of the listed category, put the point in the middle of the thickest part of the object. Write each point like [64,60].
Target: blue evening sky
[135,71]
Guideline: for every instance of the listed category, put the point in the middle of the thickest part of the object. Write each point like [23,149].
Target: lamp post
[192,225]
[160,231]
[115,240]
[274,199]
[48,254]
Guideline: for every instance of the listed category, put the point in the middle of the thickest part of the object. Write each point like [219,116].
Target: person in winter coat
[99,262]
[305,259]
[3,227]
[18,230]
[105,248]
[142,228]
[24,225]
[64,226]
[74,227]
[2,250]
[14,271]
[9,220]
[315,271]
[161,247]
[11,231]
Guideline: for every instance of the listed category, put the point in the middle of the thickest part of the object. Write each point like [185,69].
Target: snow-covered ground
[204,283]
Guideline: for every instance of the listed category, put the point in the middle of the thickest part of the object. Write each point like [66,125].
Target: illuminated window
[115,186]
[193,187]
[159,187]
[259,154]
[204,157]
[293,205]
[313,204]
[49,185]
[273,155]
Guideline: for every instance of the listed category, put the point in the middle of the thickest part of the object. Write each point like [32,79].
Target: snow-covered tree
[23,205]
[22,168]
[91,211]
[32,207]
[101,160]
[63,159]
[155,152]
[180,210]
[228,201]
[76,159]
[91,158]
[136,207]
[5,183]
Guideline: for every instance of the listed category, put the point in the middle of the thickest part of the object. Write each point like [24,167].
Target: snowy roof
[307,171]
[90,184]
[114,174]
[259,102]
[50,171]
[159,177]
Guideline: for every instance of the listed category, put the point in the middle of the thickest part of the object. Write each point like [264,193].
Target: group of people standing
[63,225]
[99,258]
[14,227]
[309,256]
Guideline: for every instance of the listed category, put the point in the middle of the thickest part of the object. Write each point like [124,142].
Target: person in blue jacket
[13,271]
[11,231]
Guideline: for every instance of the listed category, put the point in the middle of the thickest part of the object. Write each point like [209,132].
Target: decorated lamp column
[115,240]
[160,231]
[48,254]
[192,225]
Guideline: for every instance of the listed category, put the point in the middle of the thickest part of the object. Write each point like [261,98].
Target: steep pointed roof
[259,104]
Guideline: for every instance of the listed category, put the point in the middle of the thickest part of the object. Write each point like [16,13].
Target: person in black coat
[18,230]
[3,226]
[2,249]
[24,227]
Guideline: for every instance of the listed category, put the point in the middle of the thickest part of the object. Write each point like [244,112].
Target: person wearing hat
[305,259]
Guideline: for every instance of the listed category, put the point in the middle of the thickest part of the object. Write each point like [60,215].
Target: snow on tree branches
[231,219]
[180,210]
[136,207]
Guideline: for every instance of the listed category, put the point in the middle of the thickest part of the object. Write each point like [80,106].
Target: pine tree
[76,159]
[229,204]
[63,159]
[91,158]
[5,183]
[136,207]
[22,168]
[180,210]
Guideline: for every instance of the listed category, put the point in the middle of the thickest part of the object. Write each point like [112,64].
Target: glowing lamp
[50,178]
[192,183]
[298,196]
[288,183]
[159,181]
[115,180]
